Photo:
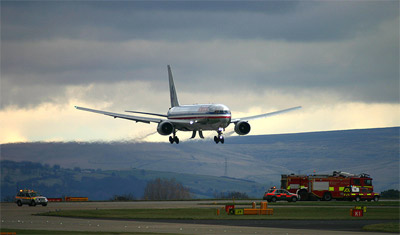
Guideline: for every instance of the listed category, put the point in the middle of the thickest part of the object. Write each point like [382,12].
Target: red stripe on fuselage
[201,117]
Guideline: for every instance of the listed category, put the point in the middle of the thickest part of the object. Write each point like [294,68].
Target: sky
[339,60]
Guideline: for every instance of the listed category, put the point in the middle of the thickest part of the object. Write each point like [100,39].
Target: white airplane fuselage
[200,117]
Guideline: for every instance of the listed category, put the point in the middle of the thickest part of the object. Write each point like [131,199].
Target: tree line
[165,189]
[159,189]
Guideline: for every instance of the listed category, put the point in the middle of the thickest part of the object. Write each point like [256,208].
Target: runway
[14,217]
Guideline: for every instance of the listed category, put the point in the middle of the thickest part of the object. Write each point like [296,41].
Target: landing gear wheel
[176,139]
[219,138]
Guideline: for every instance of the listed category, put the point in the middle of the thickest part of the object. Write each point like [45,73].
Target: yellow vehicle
[30,198]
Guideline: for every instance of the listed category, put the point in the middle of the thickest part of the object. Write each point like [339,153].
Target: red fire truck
[327,187]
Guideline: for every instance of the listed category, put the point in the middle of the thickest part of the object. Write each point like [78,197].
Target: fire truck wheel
[294,199]
[327,197]
[273,199]
[19,203]
[33,203]
[358,199]
[376,198]
[303,195]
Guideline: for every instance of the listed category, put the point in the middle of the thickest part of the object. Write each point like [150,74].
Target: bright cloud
[50,122]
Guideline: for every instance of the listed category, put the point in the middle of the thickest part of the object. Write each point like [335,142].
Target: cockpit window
[221,111]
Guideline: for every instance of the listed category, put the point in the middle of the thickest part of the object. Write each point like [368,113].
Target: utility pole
[226,167]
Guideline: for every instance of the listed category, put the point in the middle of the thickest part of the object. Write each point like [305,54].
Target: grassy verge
[386,227]
[308,213]
[51,232]
[315,203]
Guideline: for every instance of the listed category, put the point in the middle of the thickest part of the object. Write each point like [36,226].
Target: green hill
[260,159]
[103,185]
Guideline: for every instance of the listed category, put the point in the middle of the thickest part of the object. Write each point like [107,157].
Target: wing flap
[123,116]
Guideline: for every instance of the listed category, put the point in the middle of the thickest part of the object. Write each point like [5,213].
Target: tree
[56,167]
[164,189]
[391,194]
[125,197]
[230,195]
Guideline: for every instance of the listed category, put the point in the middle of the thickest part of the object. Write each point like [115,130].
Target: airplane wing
[123,116]
[264,115]
[154,114]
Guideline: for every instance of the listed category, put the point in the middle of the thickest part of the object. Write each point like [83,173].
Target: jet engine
[165,128]
[242,128]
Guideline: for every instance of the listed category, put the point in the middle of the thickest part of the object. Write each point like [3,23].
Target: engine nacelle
[165,128]
[242,128]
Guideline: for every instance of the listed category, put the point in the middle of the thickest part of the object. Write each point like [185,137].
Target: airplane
[195,118]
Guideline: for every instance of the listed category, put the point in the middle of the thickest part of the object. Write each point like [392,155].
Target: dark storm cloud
[286,20]
[129,20]
[47,46]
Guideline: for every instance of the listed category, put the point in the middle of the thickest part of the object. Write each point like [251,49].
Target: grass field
[316,203]
[308,213]
[383,210]
[386,227]
[51,232]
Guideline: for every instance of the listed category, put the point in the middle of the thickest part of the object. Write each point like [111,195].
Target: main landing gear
[220,137]
[174,138]
[200,134]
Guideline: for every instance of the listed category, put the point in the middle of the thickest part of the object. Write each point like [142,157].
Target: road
[14,217]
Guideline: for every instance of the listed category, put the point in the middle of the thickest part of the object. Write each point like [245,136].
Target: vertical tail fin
[172,91]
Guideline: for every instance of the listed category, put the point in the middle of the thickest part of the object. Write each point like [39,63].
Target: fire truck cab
[360,194]
[328,187]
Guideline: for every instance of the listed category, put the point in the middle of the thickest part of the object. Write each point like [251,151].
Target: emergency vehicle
[328,187]
[360,194]
[275,194]
[30,198]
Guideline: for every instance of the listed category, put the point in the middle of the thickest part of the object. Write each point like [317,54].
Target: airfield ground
[26,218]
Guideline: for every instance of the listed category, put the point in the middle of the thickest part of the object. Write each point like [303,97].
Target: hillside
[103,185]
[257,158]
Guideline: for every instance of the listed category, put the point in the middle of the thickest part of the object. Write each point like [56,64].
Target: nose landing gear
[220,137]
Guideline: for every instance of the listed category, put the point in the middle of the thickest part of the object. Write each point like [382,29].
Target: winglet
[172,91]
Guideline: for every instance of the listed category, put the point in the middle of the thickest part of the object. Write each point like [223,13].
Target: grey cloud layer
[286,20]
[349,48]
